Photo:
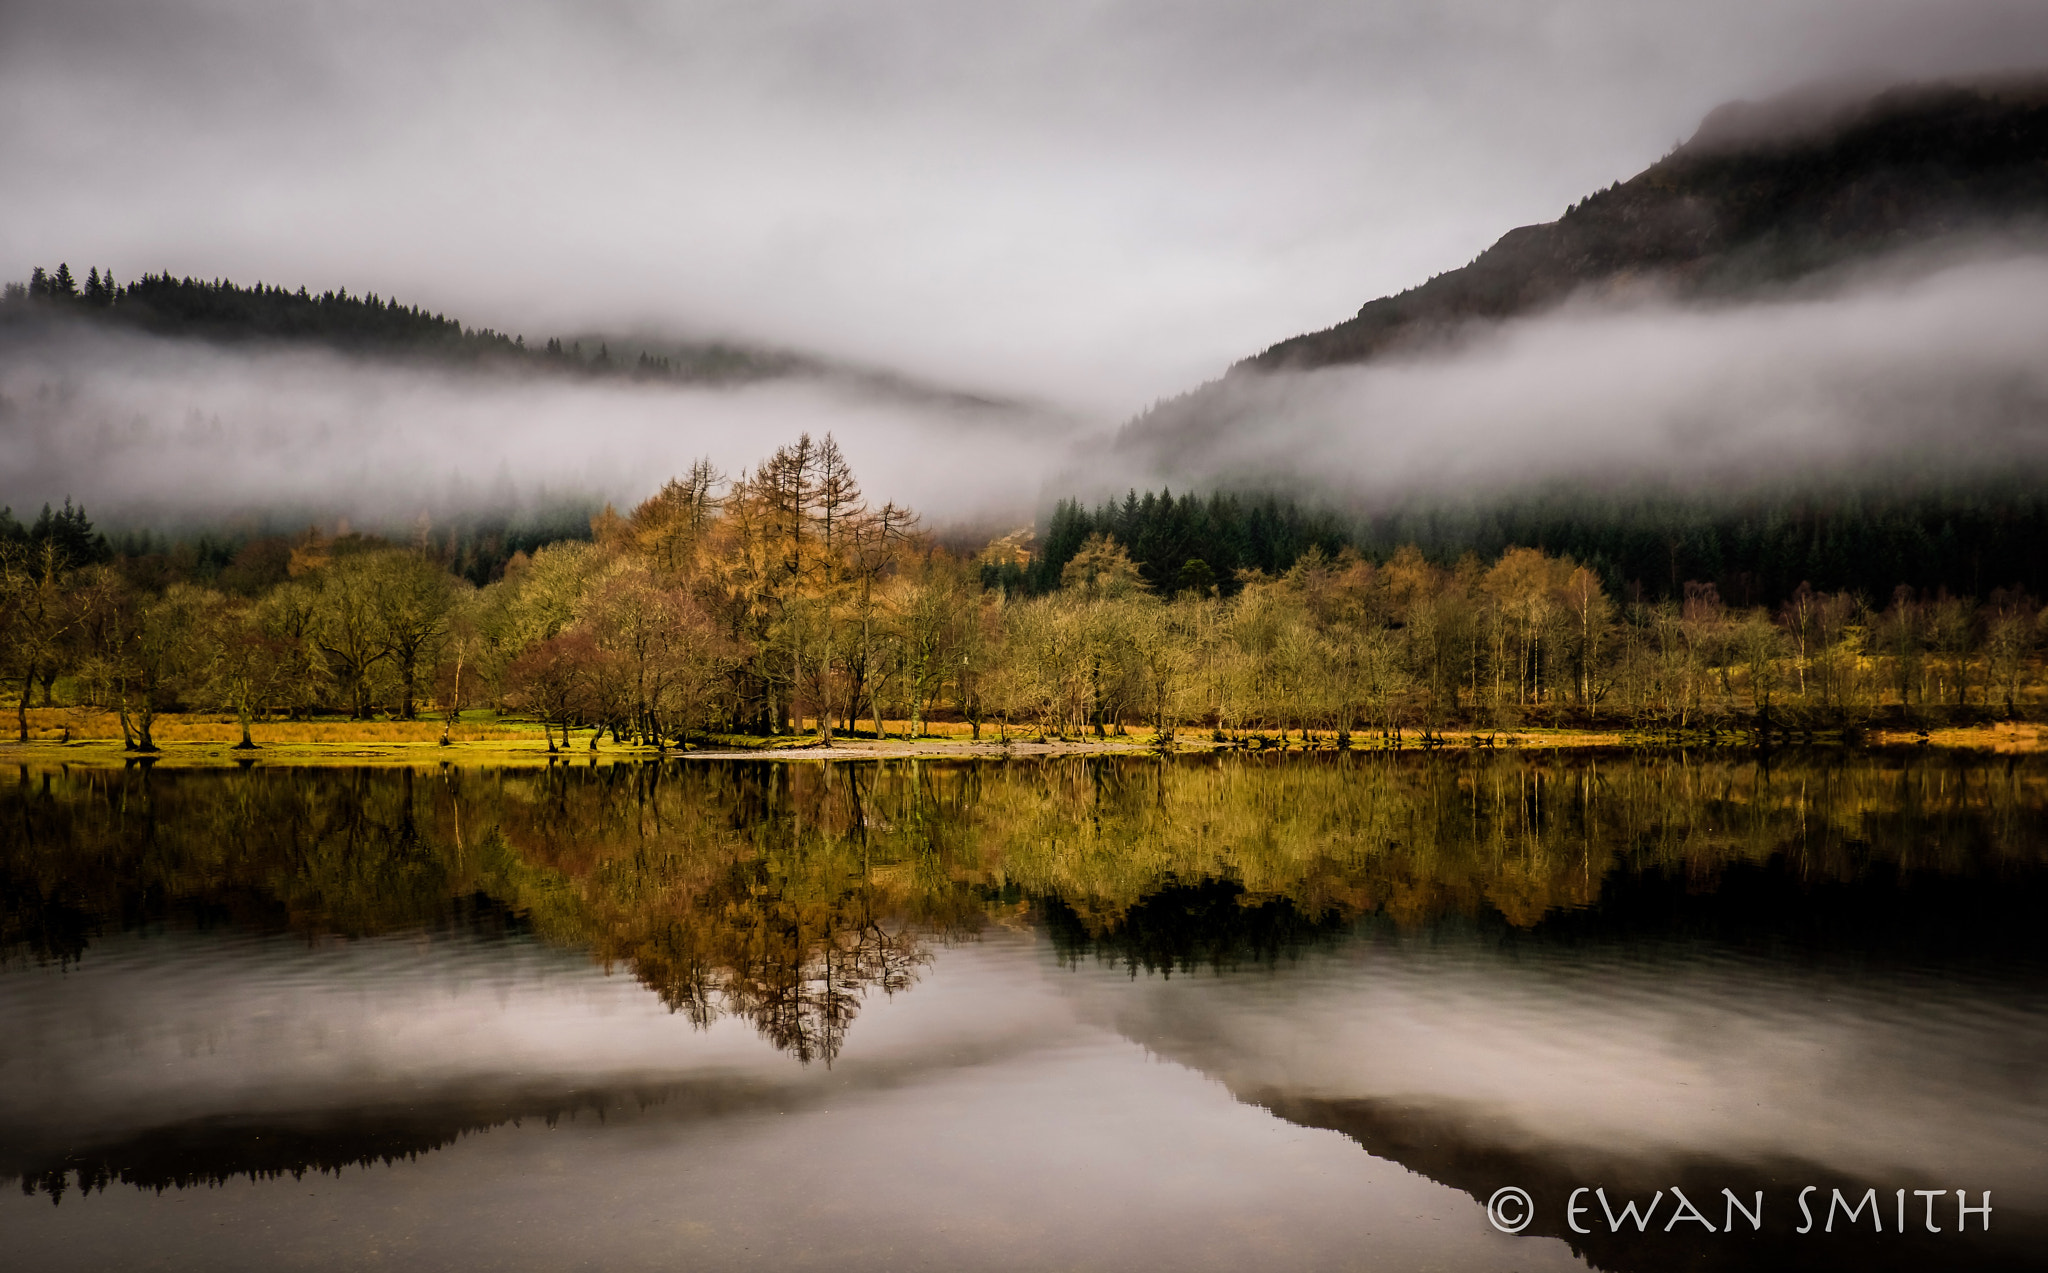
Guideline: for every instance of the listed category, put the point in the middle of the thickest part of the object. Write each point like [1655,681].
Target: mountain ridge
[221,312]
[1764,192]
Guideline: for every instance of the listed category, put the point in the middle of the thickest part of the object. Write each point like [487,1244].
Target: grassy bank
[67,736]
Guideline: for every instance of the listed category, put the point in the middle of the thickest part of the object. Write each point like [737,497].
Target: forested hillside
[1764,193]
[475,548]
[1177,542]
[1942,494]
[785,601]
[1755,548]
[223,311]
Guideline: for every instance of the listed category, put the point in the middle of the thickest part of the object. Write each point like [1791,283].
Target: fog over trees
[1752,439]
[784,600]
[223,311]
[189,407]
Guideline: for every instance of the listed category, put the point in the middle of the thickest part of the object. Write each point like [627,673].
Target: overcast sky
[1096,202]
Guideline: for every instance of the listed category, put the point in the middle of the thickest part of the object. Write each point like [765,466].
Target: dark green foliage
[100,289]
[1186,541]
[68,531]
[1008,577]
[1756,548]
[62,287]
[221,310]
[478,548]
[249,562]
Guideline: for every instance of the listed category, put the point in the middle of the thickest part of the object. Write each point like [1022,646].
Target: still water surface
[1192,1013]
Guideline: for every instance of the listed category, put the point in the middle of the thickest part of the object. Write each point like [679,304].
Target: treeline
[1757,547]
[1179,543]
[250,563]
[784,601]
[66,535]
[221,310]
[476,548]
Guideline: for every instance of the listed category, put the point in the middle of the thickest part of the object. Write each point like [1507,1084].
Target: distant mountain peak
[1764,192]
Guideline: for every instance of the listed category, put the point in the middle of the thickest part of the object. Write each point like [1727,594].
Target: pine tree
[99,288]
[71,535]
[62,285]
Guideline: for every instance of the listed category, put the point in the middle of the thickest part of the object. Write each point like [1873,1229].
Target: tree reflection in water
[782,894]
[759,892]
[785,893]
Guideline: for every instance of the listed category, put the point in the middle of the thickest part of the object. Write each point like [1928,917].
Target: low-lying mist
[1917,368]
[175,434]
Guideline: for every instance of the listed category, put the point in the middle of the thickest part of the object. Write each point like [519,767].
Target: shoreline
[1993,739]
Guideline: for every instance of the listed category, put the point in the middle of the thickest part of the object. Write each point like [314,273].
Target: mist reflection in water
[1629,970]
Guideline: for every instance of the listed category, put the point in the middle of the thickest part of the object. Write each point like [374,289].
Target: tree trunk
[825,703]
[121,706]
[1095,694]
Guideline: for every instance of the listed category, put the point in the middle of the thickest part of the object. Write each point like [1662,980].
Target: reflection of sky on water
[976,1122]
[996,1116]
[1723,975]
[1636,1053]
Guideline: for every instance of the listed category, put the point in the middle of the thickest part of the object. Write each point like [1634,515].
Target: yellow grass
[52,724]
[83,736]
[2004,738]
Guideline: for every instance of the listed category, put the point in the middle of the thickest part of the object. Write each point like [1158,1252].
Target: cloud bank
[1101,202]
[1928,367]
[1932,369]
[180,433]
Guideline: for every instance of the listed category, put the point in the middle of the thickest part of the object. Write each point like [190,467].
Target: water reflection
[756,892]
[1642,971]
[753,887]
